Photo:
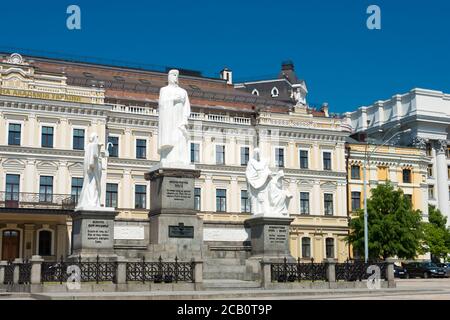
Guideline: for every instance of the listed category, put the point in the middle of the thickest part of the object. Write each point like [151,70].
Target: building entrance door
[10,244]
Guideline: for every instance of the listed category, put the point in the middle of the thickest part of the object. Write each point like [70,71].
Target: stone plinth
[269,237]
[93,233]
[175,228]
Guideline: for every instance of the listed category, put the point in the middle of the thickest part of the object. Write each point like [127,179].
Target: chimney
[227,74]
[287,65]
[325,109]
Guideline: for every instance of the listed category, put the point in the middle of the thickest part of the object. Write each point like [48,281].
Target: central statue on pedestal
[174,112]
[266,193]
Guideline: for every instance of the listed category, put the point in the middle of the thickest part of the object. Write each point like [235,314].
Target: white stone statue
[265,189]
[279,198]
[174,112]
[91,191]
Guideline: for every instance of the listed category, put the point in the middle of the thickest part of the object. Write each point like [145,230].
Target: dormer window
[255,92]
[275,92]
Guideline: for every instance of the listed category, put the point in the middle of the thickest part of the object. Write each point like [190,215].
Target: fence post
[121,276]
[198,271]
[331,272]
[266,276]
[390,273]
[17,262]
[36,267]
[3,265]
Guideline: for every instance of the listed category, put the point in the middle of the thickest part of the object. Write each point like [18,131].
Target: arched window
[255,92]
[329,247]
[275,92]
[45,243]
[306,247]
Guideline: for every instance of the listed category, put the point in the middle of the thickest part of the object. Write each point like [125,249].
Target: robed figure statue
[265,189]
[91,191]
[174,112]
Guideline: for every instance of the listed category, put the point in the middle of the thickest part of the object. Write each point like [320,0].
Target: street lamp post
[366,160]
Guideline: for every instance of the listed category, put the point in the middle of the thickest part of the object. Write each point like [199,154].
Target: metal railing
[25,272]
[298,271]
[9,273]
[26,200]
[356,270]
[160,271]
[90,271]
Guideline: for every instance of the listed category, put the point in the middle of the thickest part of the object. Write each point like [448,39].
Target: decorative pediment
[76,168]
[47,165]
[330,185]
[13,164]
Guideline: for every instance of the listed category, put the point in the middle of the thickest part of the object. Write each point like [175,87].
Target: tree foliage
[394,227]
[436,236]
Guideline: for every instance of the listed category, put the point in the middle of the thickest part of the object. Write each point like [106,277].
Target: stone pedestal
[270,243]
[93,233]
[270,237]
[175,228]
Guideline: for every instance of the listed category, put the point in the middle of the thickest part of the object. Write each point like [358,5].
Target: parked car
[400,272]
[424,270]
[446,267]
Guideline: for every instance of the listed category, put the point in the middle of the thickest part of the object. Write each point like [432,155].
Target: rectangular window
[197,199]
[140,195]
[328,204]
[245,202]
[12,187]
[327,161]
[329,247]
[195,153]
[245,155]
[304,159]
[14,134]
[306,248]
[141,149]
[304,203]
[111,195]
[77,185]
[113,146]
[356,200]
[220,154]
[279,157]
[430,192]
[430,171]
[221,200]
[78,139]
[406,175]
[356,172]
[47,137]
[45,189]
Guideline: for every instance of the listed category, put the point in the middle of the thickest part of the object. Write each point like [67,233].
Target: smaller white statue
[279,198]
[265,189]
[91,191]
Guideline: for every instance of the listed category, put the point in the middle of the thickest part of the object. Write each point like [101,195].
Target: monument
[270,222]
[92,224]
[175,228]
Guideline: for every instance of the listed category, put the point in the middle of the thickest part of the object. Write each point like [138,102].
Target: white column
[442,178]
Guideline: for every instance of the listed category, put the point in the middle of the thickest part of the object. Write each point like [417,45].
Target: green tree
[436,236]
[394,227]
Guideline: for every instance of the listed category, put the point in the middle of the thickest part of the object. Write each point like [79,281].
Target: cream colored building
[48,108]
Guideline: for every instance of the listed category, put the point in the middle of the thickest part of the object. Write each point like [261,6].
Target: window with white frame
[220,154]
[274,92]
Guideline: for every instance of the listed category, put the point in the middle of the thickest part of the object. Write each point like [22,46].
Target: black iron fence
[89,271]
[160,271]
[9,273]
[25,272]
[356,270]
[298,271]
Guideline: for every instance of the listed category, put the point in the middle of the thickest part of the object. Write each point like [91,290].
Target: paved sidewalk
[412,289]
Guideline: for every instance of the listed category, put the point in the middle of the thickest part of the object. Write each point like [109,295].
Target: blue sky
[343,62]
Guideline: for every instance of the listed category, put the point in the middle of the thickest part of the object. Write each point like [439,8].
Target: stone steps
[224,262]
[230,284]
